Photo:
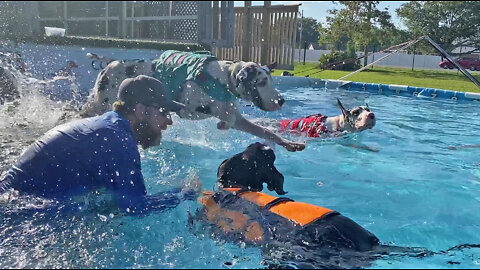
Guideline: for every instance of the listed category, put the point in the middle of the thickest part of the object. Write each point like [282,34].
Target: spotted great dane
[242,80]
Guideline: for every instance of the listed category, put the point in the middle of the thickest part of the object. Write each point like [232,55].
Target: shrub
[327,60]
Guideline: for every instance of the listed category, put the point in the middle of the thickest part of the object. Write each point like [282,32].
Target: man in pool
[102,152]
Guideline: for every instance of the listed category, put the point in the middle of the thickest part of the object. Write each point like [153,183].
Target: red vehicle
[465,62]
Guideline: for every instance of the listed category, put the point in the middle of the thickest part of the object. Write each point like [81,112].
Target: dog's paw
[294,146]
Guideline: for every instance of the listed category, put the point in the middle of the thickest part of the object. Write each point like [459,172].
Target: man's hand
[191,189]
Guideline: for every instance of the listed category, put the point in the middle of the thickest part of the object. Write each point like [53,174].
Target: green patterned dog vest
[174,68]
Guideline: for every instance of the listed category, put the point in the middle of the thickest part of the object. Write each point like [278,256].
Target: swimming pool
[413,180]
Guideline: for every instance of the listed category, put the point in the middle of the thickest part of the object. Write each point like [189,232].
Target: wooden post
[123,17]
[229,25]
[216,19]
[65,24]
[281,46]
[201,22]
[106,18]
[205,23]
[266,51]
[169,29]
[413,60]
[225,18]
[294,36]
[373,55]
[247,38]
[278,42]
[289,39]
[133,15]
[142,32]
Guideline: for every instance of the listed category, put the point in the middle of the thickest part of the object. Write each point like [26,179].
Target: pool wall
[404,90]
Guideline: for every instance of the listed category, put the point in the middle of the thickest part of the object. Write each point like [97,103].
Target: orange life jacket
[237,221]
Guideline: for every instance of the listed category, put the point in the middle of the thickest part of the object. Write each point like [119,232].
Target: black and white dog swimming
[357,119]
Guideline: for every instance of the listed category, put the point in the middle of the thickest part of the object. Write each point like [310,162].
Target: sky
[319,9]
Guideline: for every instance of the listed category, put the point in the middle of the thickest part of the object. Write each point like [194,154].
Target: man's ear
[139,111]
[251,151]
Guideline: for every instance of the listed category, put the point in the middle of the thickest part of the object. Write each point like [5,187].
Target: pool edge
[404,90]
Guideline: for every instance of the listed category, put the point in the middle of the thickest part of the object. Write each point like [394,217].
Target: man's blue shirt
[85,154]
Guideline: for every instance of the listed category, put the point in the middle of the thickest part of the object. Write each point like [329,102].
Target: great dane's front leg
[264,133]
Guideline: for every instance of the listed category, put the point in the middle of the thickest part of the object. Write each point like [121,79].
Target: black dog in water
[288,231]
[250,169]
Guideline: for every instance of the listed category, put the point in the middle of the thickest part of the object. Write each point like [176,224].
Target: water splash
[38,109]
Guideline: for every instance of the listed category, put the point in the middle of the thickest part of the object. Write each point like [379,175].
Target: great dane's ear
[345,112]
[241,76]
[272,66]
[253,150]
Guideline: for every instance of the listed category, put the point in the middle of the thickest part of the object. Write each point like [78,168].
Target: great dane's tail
[103,61]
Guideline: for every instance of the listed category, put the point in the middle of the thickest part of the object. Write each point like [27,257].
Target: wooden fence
[173,21]
[263,34]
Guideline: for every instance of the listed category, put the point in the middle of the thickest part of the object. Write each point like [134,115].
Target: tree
[359,21]
[310,30]
[449,23]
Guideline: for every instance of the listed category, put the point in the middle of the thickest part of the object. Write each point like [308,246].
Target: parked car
[465,62]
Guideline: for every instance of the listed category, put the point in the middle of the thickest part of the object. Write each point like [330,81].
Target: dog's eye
[356,113]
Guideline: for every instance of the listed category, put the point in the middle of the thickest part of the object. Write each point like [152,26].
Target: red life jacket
[312,125]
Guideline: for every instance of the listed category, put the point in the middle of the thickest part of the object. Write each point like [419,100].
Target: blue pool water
[413,180]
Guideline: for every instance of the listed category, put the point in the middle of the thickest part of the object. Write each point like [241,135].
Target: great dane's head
[357,119]
[250,169]
[254,83]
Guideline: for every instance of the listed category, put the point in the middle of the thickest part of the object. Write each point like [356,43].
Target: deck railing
[184,21]
[264,34]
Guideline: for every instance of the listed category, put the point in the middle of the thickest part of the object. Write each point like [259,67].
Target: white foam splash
[24,119]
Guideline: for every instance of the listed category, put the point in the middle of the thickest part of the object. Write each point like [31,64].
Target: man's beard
[146,136]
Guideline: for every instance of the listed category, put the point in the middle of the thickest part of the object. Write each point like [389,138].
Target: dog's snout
[281,101]
[371,116]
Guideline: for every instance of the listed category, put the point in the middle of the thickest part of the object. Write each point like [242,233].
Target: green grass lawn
[450,80]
